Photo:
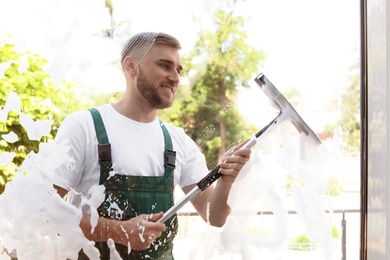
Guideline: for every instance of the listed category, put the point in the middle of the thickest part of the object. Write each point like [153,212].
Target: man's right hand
[138,232]
[141,231]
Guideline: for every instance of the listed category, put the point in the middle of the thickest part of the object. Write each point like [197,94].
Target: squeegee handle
[204,183]
[213,175]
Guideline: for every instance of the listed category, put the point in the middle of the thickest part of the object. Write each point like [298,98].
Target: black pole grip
[209,178]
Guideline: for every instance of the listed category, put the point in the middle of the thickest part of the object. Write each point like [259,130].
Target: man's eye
[165,66]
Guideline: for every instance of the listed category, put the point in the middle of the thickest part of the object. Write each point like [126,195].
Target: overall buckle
[104,151]
[169,158]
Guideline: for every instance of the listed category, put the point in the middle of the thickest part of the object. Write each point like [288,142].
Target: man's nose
[174,77]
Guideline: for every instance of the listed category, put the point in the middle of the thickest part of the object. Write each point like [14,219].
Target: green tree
[39,100]
[350,112]
[221,61]
[348,125]
[335,187]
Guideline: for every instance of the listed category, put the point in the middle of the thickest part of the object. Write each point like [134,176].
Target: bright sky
[309,44]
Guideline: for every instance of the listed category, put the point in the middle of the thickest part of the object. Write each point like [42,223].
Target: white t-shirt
[136,148]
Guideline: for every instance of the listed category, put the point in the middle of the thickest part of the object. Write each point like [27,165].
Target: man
[138,159]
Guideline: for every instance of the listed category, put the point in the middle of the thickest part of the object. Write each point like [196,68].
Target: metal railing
[264,213]
[343,224]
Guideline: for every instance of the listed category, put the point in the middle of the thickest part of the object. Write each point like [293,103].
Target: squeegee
[287,113]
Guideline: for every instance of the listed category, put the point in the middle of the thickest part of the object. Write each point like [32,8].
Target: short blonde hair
[139,44]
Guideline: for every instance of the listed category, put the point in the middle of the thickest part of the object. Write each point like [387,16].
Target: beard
[150,92]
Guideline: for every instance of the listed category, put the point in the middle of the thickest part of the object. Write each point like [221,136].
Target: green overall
[129,196]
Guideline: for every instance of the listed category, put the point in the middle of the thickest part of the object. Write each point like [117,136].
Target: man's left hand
[233,161]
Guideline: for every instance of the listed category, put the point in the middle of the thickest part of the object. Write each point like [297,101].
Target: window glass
[295,199]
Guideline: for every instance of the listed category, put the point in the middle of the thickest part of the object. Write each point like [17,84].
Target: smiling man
[139,159]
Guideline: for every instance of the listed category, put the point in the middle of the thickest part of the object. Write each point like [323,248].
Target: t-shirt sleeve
[69,145]
[195,167]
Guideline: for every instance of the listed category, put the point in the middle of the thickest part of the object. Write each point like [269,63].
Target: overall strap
[104,147]
[169,153]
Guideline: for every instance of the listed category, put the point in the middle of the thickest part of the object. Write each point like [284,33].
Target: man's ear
[128,65]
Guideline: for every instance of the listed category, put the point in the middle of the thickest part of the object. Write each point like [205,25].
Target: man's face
[159,75]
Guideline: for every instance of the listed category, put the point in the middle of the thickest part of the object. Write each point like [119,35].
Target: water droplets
[4,67]
[35,129]
[6,158]
[11,137]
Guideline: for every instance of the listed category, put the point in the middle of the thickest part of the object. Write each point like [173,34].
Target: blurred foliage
[302,243]
[350,113]
[220,62]
[40,99]
[335,232]
[291,179]
[348,124]
[335,187]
